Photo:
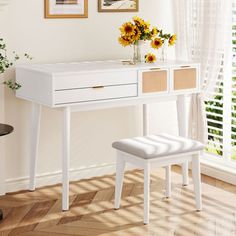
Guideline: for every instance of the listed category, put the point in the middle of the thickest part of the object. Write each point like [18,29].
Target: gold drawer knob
[97,87]
[185,66]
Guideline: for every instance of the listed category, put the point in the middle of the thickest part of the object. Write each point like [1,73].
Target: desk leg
[66,158]
[183,123]
[35,130]
[145,119]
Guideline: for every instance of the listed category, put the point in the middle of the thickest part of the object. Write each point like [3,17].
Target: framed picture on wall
[66,8]
[118,5]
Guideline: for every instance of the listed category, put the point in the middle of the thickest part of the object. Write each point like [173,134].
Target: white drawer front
[94,79]
[93,94]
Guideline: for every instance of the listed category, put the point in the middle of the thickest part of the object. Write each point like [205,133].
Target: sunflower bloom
[124,41]
[156,43]
[150,58]
[154,32]
[146,25]
[138,21]
[172,39]
[127,29]
[136,35]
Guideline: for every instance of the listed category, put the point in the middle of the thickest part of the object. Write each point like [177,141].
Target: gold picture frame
[50,14]
[114,6]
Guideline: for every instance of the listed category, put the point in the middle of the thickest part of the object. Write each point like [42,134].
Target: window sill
[218,171]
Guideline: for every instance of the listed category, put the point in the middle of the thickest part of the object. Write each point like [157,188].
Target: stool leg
[120,169]
[197,181]
[146,192]
[168,181]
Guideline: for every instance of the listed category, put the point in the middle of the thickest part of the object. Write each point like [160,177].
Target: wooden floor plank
[104,195]
[33,217]
[74,230]
[92,209]
[75,212]
[38,233]
[12,220]
[52,217]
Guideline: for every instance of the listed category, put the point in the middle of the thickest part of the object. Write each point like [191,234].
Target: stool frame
[146,164]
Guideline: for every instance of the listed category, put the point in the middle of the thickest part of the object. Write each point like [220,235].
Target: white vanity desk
[101,84]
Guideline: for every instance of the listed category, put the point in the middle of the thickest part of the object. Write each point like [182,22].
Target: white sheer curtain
[203,28]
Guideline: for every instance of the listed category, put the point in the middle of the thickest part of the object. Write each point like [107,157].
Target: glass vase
[138,52]
[164,49]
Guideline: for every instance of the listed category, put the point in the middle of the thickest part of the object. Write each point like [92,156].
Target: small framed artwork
[66,8]
[118,5]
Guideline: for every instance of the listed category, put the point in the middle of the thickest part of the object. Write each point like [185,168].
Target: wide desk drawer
[85,80]
[95,94]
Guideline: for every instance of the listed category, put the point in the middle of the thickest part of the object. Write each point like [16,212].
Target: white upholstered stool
[161,150]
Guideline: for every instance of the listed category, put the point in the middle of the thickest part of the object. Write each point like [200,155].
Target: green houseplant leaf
[6,63]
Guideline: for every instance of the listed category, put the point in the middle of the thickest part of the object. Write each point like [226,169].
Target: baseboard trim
[17,184]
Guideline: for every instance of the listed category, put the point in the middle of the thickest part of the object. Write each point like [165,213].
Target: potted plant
[6,63]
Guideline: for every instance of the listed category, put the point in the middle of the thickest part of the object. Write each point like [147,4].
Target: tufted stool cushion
[157,145]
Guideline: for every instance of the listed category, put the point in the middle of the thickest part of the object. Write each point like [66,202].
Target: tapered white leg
[168,181]
[183,129]
[2,168]
[197,181]
[66,158]
[35,131]
[145,119]
[120,169]
[146,192]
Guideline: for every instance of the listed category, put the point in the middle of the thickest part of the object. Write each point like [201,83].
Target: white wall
[23,26]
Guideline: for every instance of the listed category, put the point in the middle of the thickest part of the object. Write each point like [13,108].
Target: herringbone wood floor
[39,213]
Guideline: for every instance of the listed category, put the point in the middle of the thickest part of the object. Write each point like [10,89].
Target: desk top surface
[94,66]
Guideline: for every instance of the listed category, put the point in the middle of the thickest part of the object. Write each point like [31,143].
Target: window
[221,111]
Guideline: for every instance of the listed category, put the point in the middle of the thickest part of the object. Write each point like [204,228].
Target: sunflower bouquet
[132,32]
